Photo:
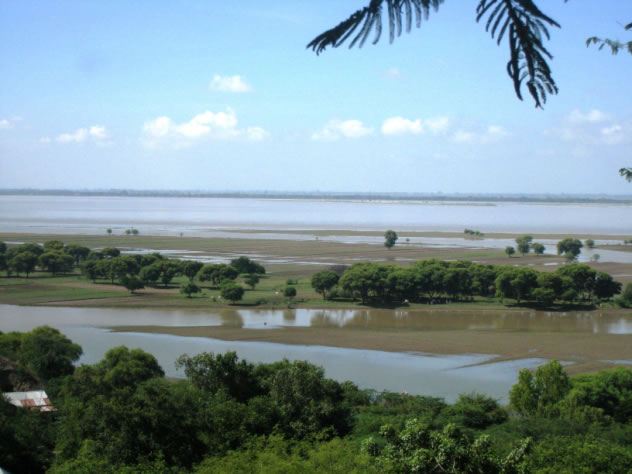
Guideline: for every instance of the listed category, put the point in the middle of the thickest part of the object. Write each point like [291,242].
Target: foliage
[245,265]
[390,238]
[189,288]
[477,411]
[24,262]
[324,281]
[231,291]
[520,21]
[509,250]
[78,252]
[540,395]
[538,248]
[216,273]
[251,280]
[132,283]
[569,246]
[56,261]
[289,292]
[418,449]
[191,269]
[589,243]
[523,244]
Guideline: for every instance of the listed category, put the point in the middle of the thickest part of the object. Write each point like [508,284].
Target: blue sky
[209,95]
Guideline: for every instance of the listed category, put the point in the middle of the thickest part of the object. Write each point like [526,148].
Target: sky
[207,95]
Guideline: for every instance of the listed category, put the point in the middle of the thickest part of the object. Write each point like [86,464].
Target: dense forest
[229,415]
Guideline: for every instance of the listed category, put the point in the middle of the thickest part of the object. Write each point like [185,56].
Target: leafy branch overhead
[614,45]
[520,21]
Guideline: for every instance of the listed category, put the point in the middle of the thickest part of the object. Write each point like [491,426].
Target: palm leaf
[370,17]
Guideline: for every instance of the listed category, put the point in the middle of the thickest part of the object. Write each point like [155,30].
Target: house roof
[34,399]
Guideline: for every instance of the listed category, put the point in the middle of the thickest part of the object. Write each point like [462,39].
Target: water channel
[428,374]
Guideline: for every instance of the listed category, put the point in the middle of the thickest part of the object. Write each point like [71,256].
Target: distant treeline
[368,196]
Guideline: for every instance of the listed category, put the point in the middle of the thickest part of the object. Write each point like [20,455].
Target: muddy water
[444,376]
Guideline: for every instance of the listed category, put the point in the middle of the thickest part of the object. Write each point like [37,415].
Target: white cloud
[437,125]
[229,84]
[256,134]
[5,124]
[44,140]
[97,132]
[594,116]
[336,129]
[400,125]
[214,125]
[592,128]
[492,134]
[393,72]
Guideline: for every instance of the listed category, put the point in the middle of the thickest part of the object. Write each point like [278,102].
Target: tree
[48,352]
[110,252]
[53,245]
[216,273]
[590,243]
[191,269]
[3,247]
[245,265]
[289,292]
[150,274]
[134,231]
[605,287]
[132,283]
[24,262]
[324,281]
[538,248]
[189,289]
[539,395]
[523,244]
[232,291]
[509,250]
[56,262]
[251,280]
[569,247]
[109,231]
[78,252]
[418,449]
[390,237]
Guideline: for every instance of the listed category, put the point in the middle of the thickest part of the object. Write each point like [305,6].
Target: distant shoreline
[333,196]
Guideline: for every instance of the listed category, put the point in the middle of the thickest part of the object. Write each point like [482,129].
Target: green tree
[53,245]
[523,244]
[110,252]
[538,248]
[589,243]
[189,288]
[56,262]
[109,231]
[540,395]
[150,274]
[3,247]
[509,250]
[225,373]
[605,287]
[191,269]
[390,238]
[24,262]
[252,280]
[289,292]
[324,281]
[78,252]
[569,247]
[232,291]
[48,352]
[245,265]
[216,273]
[418,449]
[132,283]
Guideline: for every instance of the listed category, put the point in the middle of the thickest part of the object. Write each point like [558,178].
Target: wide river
[428,374]
[203,216]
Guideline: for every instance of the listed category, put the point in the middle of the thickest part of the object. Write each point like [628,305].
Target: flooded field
[402,366]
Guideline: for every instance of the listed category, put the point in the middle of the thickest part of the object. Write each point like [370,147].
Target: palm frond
[370,17]
[626,173]
[525,27]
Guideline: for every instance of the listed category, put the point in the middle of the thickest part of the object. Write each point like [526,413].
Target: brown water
[428,374]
